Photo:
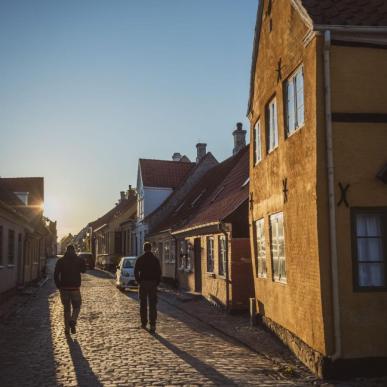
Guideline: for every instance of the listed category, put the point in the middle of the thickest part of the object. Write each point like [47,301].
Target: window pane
[368,225]
[290,107]
[371,274]
[370,249]
[300,97]
[257,142]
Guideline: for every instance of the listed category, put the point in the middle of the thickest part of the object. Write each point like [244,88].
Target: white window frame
[260,254]
[278,260]
[210,254]
[295,96]
[222,255]
[272,125]
[257,143]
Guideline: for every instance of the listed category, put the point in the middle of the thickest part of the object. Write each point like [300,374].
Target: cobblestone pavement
[110,349]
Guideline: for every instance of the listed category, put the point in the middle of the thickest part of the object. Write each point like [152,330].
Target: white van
[125,272]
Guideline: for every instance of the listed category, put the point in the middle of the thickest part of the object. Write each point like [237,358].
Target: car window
[128,264]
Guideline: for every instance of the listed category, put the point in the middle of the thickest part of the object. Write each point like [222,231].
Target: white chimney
[201,151]
[239,138]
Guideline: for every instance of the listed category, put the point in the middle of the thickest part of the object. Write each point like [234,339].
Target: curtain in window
[370,255]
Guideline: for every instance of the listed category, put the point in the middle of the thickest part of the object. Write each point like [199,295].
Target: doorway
[198,265]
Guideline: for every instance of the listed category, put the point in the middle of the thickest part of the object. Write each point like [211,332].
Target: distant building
[318,156]
[23,232]
[156,180]
[110,234]
[205,238]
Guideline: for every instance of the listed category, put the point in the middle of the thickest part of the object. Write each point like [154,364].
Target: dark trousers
[70,298]
[148,294]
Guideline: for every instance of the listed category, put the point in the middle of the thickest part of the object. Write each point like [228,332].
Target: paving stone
[109,349]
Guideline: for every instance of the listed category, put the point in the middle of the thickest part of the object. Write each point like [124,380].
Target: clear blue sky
[88,87]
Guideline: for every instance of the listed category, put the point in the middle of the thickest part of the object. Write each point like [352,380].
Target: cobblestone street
[110,349]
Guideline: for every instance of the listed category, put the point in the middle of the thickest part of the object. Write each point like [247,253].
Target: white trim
[349,28]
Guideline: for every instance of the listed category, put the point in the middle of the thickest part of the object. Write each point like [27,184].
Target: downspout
[331,196]
[223,230]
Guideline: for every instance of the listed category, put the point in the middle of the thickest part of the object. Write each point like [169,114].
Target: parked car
[88,258]
[125,272]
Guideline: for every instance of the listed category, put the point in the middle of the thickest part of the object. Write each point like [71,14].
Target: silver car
[125,272]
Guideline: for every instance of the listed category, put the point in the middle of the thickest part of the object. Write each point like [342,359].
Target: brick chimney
[176,156]
[122,194]
[239,138]
[201,151]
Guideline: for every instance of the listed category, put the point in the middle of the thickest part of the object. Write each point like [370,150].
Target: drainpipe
[331,196]
[222,228]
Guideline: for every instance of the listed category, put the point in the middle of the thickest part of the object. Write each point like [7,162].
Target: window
[222,255]
[11,246]
[257,143]
[295,101]
[271,124]
[261,250]
[1,245]
[189,257]
[140,209]
[166,255]
[210,254]
[182,254]
[370,241]
[278,246]
[172,251]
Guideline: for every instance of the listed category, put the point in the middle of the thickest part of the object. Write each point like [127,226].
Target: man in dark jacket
[148,273]
[67,277]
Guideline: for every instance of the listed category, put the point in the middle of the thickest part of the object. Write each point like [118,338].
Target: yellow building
[318,193]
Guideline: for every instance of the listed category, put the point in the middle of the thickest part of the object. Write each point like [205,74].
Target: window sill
[222,276]
[211,275]
[264,276]
[188,270]
[288,135]
[270,151]
[280,281]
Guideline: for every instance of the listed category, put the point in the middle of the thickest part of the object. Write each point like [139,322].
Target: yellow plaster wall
[296,305]
[359,84]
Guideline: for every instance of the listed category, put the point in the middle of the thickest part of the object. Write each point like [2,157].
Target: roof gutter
[345,28]
[193,228]
[331,196]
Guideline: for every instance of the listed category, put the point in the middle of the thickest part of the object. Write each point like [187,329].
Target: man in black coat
[67,277]
[148,274]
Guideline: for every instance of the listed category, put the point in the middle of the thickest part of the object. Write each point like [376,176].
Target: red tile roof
[163,173]
[218,193]
[347,12]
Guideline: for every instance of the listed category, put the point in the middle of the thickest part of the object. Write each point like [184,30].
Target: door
[198,265]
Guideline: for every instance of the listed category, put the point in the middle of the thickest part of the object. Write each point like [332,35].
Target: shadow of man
[85,375]
[205,369]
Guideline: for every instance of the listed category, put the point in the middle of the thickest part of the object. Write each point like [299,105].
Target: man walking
[67,277]
[148,273]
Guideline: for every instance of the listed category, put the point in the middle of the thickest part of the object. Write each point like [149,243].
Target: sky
[89,87]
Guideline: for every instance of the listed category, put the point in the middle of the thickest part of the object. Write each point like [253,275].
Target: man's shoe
[143,326]
[72,327]
[152,329]
[67,332]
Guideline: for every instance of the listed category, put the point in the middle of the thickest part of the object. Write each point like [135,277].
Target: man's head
[70,250]
[147,247]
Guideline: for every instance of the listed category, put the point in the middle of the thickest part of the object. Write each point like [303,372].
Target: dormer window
[23,196]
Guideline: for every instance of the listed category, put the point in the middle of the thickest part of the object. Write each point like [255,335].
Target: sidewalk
[238,328]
